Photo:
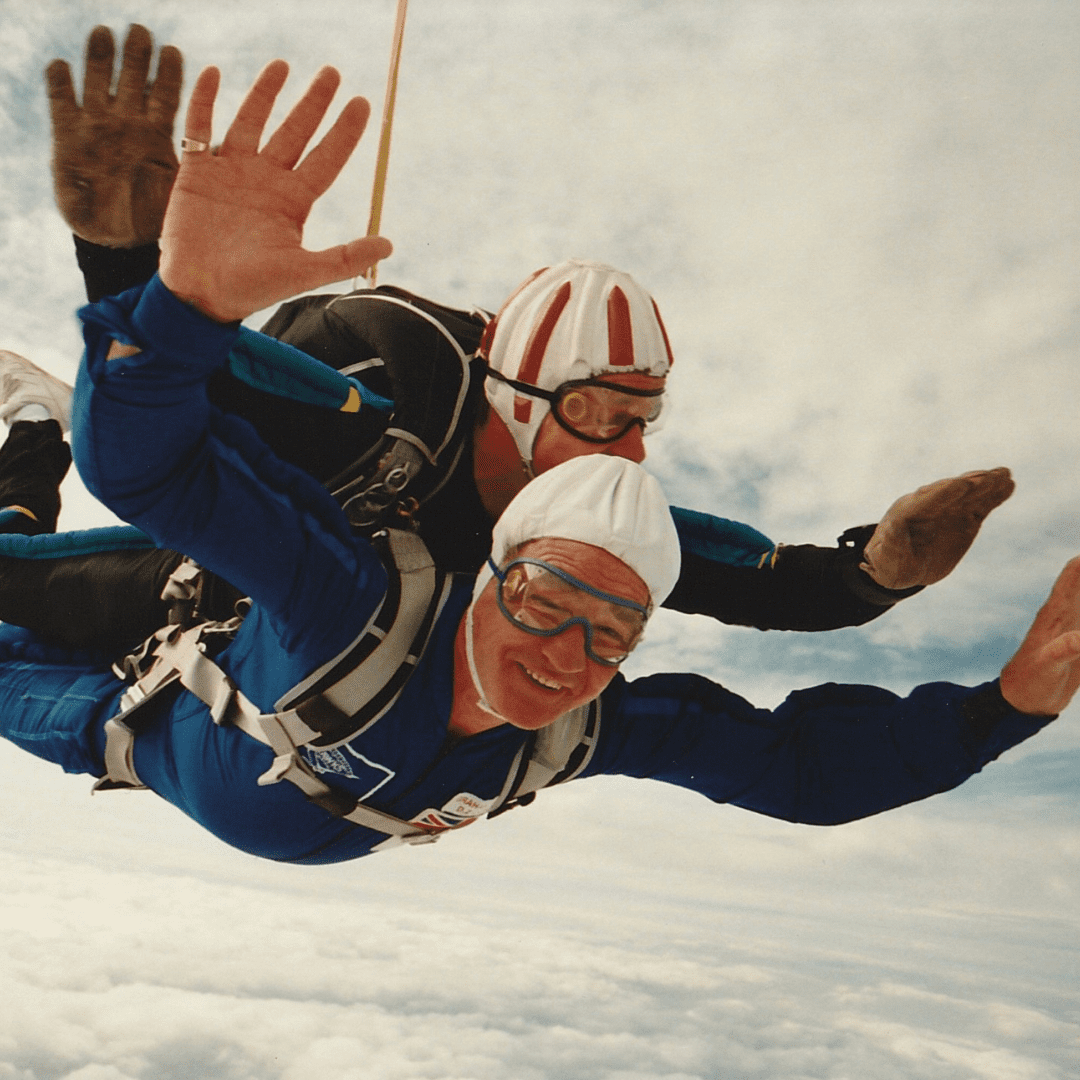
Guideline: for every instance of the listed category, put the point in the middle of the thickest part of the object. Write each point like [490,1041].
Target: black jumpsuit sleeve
[798,587]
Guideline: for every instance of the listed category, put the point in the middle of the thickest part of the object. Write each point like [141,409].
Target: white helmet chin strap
[482,701]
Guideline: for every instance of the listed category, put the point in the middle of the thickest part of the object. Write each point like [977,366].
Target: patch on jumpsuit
[460,810]
[349,763]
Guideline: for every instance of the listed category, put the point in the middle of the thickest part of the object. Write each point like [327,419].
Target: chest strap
[553,755]
[337,701]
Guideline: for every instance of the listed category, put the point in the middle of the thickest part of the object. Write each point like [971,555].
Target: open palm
[112,156]
[1044,674]
[233,233]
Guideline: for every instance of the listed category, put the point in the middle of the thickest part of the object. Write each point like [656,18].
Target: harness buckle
[283,764]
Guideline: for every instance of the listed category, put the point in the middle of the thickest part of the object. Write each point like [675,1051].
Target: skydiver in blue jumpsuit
[152,448]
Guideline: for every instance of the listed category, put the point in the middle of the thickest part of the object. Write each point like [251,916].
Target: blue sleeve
[827,755]
[150,446]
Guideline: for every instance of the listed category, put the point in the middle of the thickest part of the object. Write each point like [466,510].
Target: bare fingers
[287,143]
[246,129]
[340,263]
[321,167]
[198,125]
[1043,676]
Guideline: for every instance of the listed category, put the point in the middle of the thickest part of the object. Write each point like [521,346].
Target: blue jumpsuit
[150,446]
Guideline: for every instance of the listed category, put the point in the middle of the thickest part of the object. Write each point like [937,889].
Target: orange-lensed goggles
[597,411]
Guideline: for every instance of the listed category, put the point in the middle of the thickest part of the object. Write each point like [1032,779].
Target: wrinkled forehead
[588,563]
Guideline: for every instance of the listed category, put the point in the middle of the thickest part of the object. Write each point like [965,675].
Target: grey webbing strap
[419,604]
[182,592]
[509,788]
[284,733]
[400,831]
[119,754]
[417,585]
[412,440]
[119,759]
[180,657]
[552,751]
[301,689]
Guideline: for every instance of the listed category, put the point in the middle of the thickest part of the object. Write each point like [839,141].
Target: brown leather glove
[113,159]
[925,534]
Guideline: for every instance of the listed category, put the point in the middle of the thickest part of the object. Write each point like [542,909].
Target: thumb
[345,261]
[313,269]
[1063,649]
[361,255]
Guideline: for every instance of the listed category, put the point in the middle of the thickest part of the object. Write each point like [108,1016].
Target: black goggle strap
[554,395]
[524,388]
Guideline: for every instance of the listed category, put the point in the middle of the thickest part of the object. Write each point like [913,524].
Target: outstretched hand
[925,534]
[1045,672]
[232,239]
[113,161]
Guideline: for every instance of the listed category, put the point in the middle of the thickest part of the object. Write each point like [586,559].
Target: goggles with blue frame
[541,599]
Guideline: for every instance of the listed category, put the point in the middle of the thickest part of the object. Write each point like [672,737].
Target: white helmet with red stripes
[569,323]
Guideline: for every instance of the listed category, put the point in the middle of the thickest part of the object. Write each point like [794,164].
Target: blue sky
[860,221]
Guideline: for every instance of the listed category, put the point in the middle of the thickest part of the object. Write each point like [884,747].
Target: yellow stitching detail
[770,556]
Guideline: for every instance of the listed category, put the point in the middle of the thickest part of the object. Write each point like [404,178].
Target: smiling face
[531,680]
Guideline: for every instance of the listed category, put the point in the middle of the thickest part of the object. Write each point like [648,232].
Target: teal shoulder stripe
[720,539]
[78,542]
[285,371]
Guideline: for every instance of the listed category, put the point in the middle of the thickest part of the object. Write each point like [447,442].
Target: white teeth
[541,680]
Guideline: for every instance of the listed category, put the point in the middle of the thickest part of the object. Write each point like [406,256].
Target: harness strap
[182,592]
[180,659]
[120,730]
[556,754]
[377,666]
[120,771]
[388,655]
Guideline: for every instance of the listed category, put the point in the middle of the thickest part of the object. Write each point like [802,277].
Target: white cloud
[153,975]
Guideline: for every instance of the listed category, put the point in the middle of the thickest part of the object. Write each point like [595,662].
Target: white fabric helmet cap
[573,321]
[609,502]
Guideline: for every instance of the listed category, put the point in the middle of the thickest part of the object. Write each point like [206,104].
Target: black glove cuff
[852,543]
[985,709]
[107,271]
